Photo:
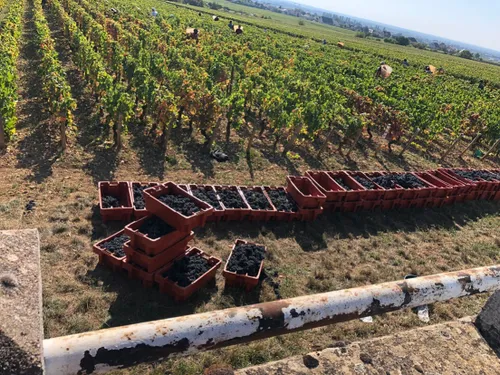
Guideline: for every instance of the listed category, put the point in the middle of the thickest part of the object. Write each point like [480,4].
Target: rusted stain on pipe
[93,352]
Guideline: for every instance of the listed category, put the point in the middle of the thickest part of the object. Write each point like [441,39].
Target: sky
[475,22]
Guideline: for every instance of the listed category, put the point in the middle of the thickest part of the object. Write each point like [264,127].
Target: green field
[332,34]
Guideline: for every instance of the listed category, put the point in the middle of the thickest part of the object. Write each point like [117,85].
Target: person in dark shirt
[231,26]
[239,30]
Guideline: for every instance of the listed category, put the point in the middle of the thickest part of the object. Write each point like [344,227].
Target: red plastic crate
[217,214]
[139,213]
[257,214]
[151,246]
[105,257]
[283,215]
[171,216]
[152,263]
[332,191]
[352,206]
[390,194]
[474,192]
[309,214]
[369,194]
[246,281]
[120,190]
[184,187]
[354,195]
[442,189]
[305,192]
[182,293]
[136,272]
[460,189]
[233,214]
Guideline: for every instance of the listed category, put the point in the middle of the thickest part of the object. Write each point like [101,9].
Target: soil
[478,175]
[179,203]
[405,180]
[186,270]
[257,200]
[246,259]
[109,201]
[154,228]
[365,182]
[341,182]
[282,201]
[231,199]
[115,245]
[138,197]
[208,196]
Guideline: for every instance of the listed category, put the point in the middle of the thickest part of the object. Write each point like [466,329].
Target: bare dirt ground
[339,251]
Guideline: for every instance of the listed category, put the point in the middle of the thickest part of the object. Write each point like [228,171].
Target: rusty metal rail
[103,350]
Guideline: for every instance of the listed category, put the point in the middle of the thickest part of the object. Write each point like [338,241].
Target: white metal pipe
[120,347]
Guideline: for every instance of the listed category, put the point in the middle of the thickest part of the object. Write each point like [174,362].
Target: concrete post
[21,328]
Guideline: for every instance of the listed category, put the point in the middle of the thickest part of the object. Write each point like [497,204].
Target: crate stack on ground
[155,247]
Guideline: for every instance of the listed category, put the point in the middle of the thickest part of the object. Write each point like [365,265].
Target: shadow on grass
[313,236]
[136,304]
[151,154]
[241,297]
[103,165]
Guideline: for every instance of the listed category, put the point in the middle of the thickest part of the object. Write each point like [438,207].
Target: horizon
[447,19]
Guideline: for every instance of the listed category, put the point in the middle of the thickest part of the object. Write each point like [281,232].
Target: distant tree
[360,35]
[402,40]
[477,56]
[214,6]
[390,40]
[198,3]
[301,23]
[420,45]
[466,54]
